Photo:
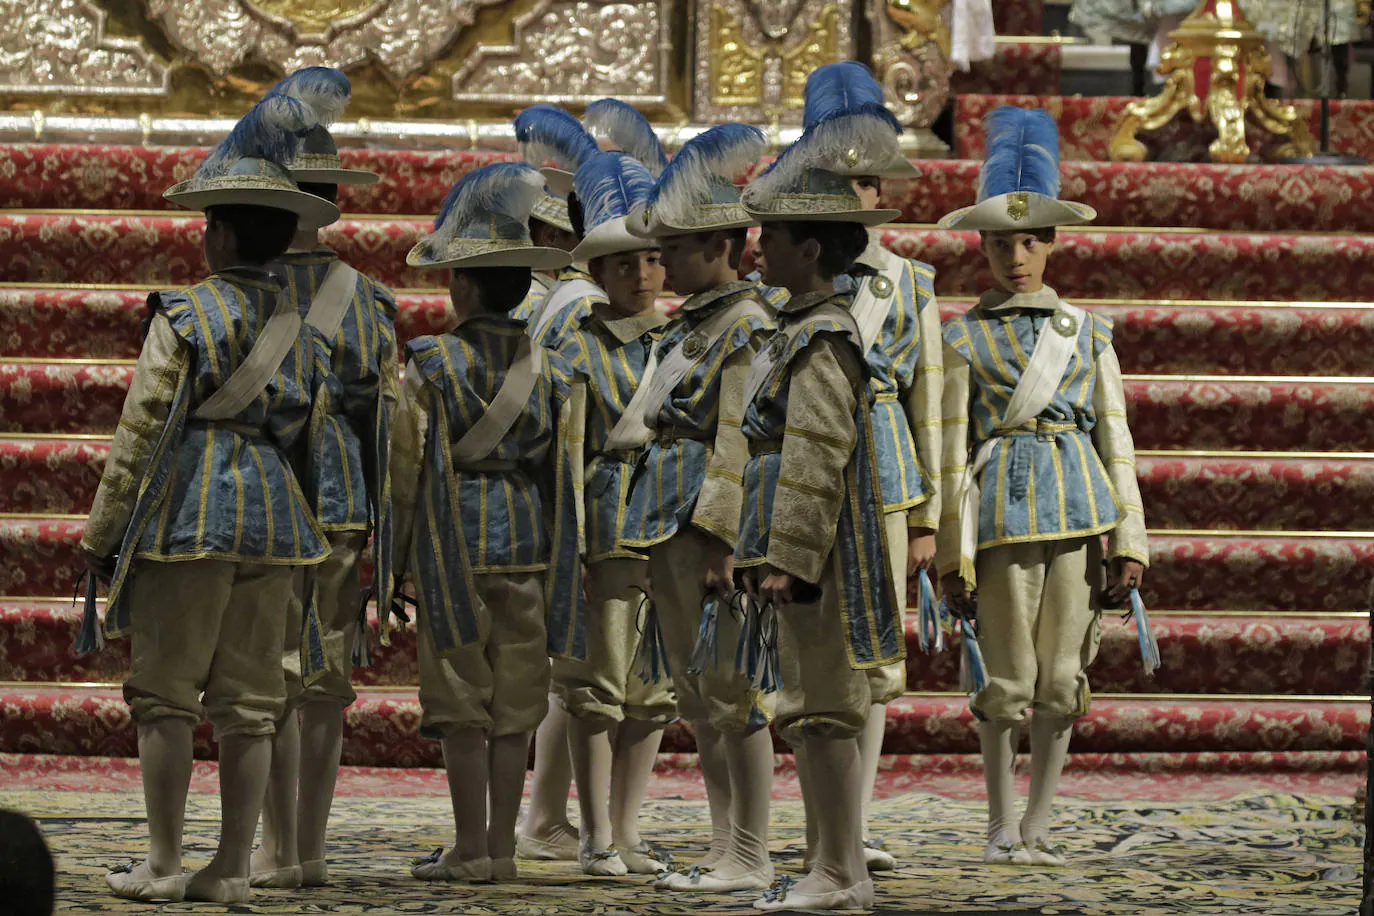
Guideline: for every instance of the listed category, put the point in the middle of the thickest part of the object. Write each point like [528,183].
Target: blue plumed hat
[547,133]
[249,165]
[608,187]
[846,97]
[1018,186]
[484,222]
[697,192]
[803,184]
[620,126]
[327,91]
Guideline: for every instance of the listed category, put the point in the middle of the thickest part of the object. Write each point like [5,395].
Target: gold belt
[667,435]
[1044,430]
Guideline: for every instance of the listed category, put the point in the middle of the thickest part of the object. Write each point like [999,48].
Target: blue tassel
[706,652]
[769,676]
[928,630]
[362,658]
[1145,634]
[651,659]
[746,649]
[973,672]
[91,637]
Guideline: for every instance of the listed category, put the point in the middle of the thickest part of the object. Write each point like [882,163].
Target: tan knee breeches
[719,697]
[211,628]
[340,593]
[499,684]
[604,685]
[1038,627]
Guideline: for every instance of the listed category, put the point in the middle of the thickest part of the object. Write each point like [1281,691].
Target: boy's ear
[811,251]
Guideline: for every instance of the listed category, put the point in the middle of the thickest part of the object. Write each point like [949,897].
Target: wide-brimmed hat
[1018,185]
[800,185]
[484,222]
[608,187]
[552,210]
[848,90]
[697,192]
[247,166]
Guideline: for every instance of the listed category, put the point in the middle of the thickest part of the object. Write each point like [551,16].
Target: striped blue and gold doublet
[868,596]
[1035,487]
[355,437]
[502,518]
[570,316]
[675,469]
[232,493]
[613,367]
[893,367]
[540,284]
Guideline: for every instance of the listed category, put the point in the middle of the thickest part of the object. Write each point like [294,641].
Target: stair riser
[1217,655]
[383,729]
[43,559]
[1149,339]
[60,477]
[1086,126]
[164,250]
[1261,198]
[1164,414]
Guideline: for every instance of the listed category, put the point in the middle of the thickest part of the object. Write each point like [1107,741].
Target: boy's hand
[719,575]
[920,550]
[1123,574]
[776,587]
[957,596]
[103,567]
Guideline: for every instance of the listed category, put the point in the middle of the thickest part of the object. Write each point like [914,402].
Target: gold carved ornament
[756,54]
[911,57]
[1216,68]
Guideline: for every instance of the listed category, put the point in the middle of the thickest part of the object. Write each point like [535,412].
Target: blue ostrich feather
[1022,153]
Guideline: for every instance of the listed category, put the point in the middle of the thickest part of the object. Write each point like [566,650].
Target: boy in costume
[485,502]
[547,133]
[617,718]
[811,550]
[1039,465]
[684,503]
[355,315]
[204,578]
[899,321]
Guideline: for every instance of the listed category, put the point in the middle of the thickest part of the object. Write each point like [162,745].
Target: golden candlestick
[1216,68]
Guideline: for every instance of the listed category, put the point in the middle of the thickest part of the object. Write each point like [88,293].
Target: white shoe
[600,863]
[644,859]
[1002,850]
[782,897]
[134,882]
[559,846]
[705,881]
[876,856]
[1041,852]
[433,868]
[291,876]
[314,873]
[210,889]
[504,870]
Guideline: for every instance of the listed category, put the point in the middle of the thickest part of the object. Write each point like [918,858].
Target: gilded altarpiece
[752,56]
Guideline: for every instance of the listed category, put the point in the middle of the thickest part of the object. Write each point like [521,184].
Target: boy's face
[633,281]
[690,262]
[869,188]
[1017,260]
[786,263]
[546,235]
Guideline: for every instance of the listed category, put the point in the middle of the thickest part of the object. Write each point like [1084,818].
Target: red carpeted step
[1018,17]
[1151,336]
[382,728]
[50,476]
[1314,654]
[1018,68]
[1270,198]
[1257,492]
[165,249]
[1191,570]
[1166,412]
[1086,125]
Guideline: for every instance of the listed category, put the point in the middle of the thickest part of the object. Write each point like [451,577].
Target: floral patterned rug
[1256,853]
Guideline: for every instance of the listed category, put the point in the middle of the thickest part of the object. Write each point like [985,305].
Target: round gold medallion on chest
[882,286]
[693,346]
[1064,323]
